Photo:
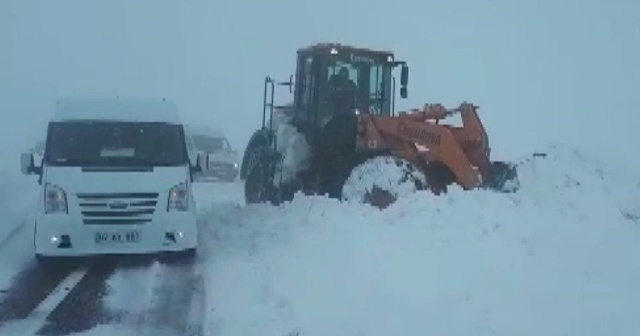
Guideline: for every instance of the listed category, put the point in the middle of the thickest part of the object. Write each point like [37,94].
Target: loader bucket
[503,177]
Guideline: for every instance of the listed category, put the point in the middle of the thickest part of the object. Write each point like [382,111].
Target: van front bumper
[64,235]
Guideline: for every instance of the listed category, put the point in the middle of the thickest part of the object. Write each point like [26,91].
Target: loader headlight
[55,199]
[178,198]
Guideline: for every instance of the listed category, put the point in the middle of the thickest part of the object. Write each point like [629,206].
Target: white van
[115,179]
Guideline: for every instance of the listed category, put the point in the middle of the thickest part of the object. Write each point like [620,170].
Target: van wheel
[258,186]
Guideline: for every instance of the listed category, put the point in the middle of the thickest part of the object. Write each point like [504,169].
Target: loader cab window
[366,76]
[308,82]
[380,90]
[306,90]
[334,71]
[372,81]
[339,94]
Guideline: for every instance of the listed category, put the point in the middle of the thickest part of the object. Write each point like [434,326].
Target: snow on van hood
[74,180]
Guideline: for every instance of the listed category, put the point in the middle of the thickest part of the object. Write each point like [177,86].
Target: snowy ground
[20,193]
[558,258]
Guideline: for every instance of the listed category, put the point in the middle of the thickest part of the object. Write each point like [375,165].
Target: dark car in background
[222,159]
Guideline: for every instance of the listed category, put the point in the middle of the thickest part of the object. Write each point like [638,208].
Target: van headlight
[55,199]
[178,198]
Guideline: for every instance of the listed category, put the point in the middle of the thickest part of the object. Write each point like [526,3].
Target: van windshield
[90,143]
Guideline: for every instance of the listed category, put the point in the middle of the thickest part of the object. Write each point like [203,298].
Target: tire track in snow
[175,302]
[30,287]
[143,296]
[82,308]
[29,324]
[69,297]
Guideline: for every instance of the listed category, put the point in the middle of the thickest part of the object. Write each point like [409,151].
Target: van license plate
[117,237]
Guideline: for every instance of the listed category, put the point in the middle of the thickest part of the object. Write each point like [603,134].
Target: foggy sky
[542,71]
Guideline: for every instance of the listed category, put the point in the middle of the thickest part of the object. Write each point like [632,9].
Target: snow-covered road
[558,258]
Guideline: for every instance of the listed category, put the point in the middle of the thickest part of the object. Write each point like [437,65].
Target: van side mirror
[197,167]
[403,92]
[404,76]
[27,164]
[203,161]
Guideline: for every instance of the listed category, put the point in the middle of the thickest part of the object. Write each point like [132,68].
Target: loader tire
[381,180]
[258,186]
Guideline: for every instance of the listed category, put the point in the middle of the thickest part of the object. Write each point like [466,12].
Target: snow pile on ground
[556,258]
[292,146]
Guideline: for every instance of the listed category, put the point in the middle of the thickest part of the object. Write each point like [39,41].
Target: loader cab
[367,73]
[314,113]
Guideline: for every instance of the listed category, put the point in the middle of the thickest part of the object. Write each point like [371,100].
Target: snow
[20,196]
[125,285]
[556,258]
[293,146]
[22,192]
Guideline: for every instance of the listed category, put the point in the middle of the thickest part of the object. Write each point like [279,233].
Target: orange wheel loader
[344,111]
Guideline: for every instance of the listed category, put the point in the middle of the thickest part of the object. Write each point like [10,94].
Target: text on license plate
[117,237]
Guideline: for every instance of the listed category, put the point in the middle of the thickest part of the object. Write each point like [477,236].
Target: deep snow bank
[558,258]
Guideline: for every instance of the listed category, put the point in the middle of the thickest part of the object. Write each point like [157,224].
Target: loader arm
[417,138]
[473,137]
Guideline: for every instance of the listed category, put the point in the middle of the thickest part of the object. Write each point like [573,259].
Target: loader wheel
[381,180]
[258,186]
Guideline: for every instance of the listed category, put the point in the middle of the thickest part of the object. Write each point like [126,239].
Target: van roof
[116,109]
